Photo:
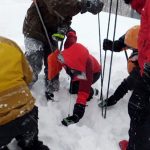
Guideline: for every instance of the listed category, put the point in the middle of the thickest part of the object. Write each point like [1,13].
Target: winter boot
[123,144]
[49,96]
[4,148]
[36,145]
[108,102]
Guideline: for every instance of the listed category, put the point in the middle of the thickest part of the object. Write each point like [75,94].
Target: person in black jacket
[127,41]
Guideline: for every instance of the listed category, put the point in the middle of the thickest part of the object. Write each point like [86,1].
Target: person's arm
[27,71]
[119,44]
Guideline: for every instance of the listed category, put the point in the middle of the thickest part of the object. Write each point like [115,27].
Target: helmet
[131,37]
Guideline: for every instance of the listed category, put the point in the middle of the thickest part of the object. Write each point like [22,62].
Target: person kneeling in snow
[18,113]
[84,70]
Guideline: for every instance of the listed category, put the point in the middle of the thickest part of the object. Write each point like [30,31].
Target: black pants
[74,86]
[139,112]
[24,129]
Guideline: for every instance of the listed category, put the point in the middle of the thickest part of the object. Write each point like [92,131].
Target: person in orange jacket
[125,42]
[18,113]
[84,70]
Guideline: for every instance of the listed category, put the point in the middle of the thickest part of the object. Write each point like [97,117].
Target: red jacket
[138,5]
[78,58]
[144,36]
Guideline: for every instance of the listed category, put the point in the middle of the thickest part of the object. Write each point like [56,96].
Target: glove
[146,75]
[58,37]
[127,1]
[70,120]
[35,78]
[108,102]
[78,113]
[107,44]
[61,32]
[92,6]
[49,96]
[71,39]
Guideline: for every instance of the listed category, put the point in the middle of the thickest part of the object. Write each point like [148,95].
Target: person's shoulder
[9,42]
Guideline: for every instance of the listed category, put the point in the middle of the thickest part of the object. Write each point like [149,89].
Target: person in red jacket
[139,104]
[84,70]
[136,4]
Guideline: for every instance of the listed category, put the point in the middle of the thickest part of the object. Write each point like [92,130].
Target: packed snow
[93,132]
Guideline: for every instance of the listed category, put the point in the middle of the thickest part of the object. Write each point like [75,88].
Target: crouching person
[84,70]
[18,113]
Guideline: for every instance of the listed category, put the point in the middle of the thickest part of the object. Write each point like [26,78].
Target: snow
[93,132]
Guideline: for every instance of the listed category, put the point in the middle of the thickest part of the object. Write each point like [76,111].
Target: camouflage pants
[37,53]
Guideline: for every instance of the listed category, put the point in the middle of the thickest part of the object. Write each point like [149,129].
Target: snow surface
[93,132]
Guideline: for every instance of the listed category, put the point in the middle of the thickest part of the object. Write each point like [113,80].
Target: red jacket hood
[138,5]
[76,57]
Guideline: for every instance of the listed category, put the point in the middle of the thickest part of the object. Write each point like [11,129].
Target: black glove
[127,1]
[109,102]
[92,6]
[70,120]
[78,113]
[146,75]
[107,44]
[49,96]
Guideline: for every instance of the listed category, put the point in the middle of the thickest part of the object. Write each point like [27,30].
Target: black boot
[4,148]
[36,145]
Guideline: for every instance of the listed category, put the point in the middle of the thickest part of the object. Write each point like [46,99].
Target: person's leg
[136,108]
[28,135]
[143,134]
[74,87]
[34,54]
[50,85]
[7,133]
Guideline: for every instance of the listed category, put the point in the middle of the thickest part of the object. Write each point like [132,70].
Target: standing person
[57,16]
[128,41]
[136,4]
[18,113]
[139,104]
[84,70]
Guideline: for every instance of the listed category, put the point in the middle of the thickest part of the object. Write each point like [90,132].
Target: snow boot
[36,145]
[123,144]
[49,96]
[4,148]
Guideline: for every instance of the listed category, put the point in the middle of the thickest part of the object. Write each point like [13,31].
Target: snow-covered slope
[92,132]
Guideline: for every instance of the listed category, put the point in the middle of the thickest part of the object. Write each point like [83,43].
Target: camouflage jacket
[54,13]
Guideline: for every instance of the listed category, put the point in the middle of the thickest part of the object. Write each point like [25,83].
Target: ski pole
[115,24]
[126,54]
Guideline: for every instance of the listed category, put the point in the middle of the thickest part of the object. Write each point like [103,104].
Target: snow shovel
[54,66]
